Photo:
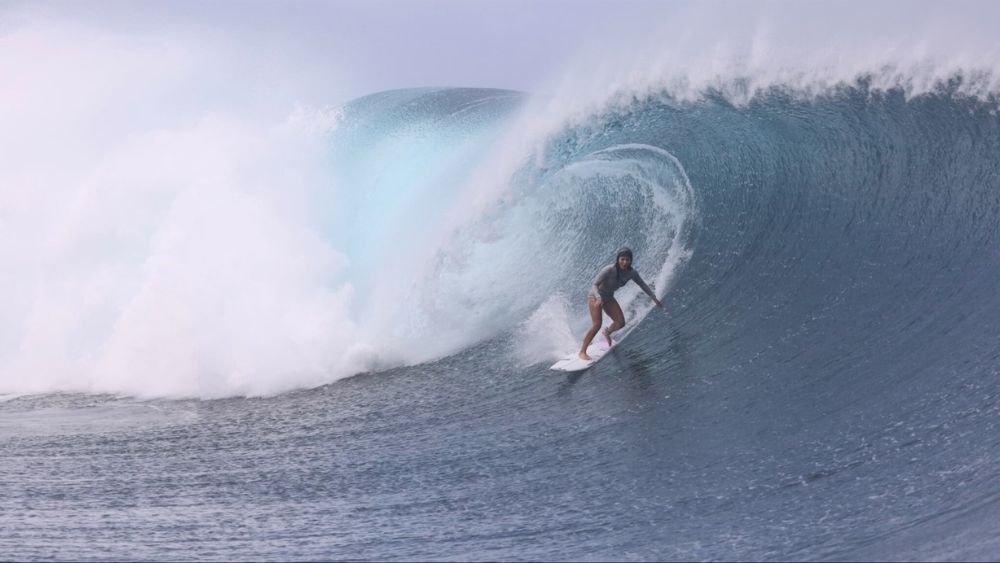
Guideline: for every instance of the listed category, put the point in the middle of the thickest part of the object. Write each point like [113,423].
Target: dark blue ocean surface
[822,384]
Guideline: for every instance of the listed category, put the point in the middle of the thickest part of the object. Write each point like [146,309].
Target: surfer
[602,295]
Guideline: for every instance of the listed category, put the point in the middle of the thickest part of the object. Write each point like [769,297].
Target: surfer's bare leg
[614,310]
[594,304]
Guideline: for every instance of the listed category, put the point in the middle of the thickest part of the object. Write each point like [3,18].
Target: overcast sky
[359,47]
[380,44]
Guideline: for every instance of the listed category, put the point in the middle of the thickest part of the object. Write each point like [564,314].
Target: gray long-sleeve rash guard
[610,279]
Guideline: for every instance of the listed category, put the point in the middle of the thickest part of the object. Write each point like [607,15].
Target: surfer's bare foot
[607,336]
[584,356]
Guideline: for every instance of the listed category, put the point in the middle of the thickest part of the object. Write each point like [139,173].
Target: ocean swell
[424,221]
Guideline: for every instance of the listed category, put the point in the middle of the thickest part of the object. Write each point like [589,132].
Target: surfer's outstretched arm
[638,280]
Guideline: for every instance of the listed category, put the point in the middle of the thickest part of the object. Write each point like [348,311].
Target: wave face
[822,384]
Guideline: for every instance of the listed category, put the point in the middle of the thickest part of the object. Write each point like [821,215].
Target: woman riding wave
[602,295]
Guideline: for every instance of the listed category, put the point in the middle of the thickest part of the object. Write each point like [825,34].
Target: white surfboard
[597,350]
[599,347]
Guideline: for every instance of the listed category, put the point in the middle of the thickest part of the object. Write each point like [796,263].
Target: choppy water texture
[824,382]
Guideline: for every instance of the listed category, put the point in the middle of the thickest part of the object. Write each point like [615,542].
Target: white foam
[547,334]
[159,238]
